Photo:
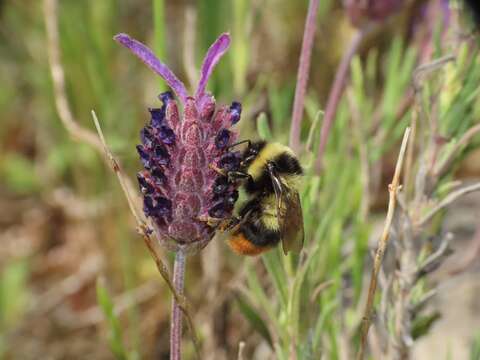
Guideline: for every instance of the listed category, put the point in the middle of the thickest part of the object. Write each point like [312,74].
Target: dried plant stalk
[336,92]
[302,76]
[71,124]
[382,245]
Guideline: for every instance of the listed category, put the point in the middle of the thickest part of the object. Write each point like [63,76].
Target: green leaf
[252,316]
[422,324]
[13,291]
[274,267]
[263,128]
[113,324]
[19,174]
[475,348]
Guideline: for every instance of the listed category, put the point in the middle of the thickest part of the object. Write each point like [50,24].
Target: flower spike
[149,58]
[183,195]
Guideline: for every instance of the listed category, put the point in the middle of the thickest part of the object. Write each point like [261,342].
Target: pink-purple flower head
[179,183]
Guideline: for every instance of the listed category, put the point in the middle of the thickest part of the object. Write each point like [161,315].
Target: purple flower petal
[149,58]
[222,139]
[235,112]
[167,135]
[145,187]
[157,114]
[214,53]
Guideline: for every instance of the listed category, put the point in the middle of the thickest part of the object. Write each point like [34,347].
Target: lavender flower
[180,189]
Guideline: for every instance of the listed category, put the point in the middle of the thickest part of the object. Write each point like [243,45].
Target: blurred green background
[76,280]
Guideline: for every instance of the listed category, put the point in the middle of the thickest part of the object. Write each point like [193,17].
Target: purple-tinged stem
[176,319]
[302,75]
[336,94]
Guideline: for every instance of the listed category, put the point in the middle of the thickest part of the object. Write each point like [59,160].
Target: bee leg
[211,221]
[238,175]
[234,223]
[218,170]
[221,224]
[230,224]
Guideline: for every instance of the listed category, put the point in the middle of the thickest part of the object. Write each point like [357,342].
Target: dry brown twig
[241,348]
[393,188]
[50,9]
[55,295]
[71,124]
[92,316]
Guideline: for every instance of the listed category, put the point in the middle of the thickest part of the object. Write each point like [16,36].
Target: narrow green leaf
[263,128]
[275,270]
[252,316]
[113,324]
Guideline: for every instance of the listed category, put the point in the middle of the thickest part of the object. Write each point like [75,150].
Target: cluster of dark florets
[180,190]
[186,155]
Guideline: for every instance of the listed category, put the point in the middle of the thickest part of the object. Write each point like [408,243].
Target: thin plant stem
[302,75]
[450,198]
[176,318]
[461,143]
[382,245]
[336,93]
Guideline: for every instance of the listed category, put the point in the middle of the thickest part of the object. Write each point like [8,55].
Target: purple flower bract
[179,152]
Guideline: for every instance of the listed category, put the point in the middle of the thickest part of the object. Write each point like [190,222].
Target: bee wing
[289,214]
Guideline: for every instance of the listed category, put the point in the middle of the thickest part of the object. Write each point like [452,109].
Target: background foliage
[65,222]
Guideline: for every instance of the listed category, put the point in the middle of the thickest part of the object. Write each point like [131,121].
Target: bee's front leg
[221,224]
[238,175]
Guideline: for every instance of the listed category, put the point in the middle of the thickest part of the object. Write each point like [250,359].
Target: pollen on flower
[179,186]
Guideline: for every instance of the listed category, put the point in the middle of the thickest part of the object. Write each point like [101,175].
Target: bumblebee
[270,173]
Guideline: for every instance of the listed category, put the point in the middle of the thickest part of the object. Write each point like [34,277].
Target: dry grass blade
[241,349]
[76,131]
[462,142]
[382,245]
[425,69]
[50,9]
[146,232]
